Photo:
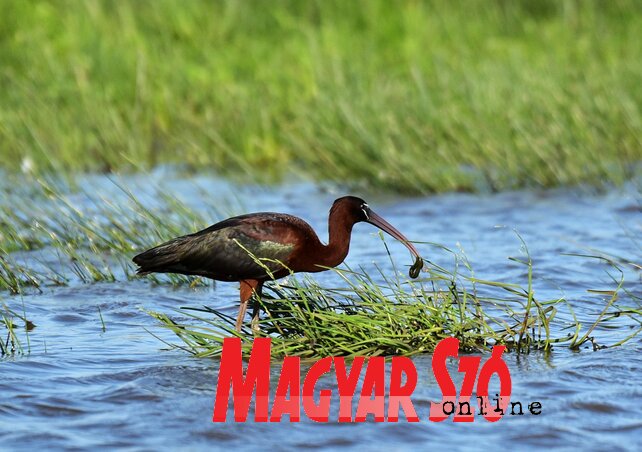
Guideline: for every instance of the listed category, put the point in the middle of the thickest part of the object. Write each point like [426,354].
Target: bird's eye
[365,209]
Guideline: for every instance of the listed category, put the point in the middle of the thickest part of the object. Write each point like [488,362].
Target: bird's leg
[248,287]
[256,308]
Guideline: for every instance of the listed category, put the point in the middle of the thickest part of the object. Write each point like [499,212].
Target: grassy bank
[407,96]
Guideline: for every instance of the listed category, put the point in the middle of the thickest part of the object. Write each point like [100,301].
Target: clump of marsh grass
[386,315]
[55,240]
[68,233]
[13,276]
[93,240]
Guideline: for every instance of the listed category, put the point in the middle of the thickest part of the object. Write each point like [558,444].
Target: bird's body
[256,247]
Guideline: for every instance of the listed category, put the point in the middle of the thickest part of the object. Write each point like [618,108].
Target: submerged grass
[396,316]
[92,242]
[72,236]
[52,240]
[17,327]
[407,96]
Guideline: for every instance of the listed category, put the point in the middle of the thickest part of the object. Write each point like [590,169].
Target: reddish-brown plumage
[240,248]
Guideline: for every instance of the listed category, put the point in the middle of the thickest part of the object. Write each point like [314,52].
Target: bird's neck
[339,230]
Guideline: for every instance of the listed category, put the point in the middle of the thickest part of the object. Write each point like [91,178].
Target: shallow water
[80,387]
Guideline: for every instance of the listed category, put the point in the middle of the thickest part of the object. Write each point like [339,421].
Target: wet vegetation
[405,96]
[404,317]
[58,241]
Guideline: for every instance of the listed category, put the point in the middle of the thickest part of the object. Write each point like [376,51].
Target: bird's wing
[246,247]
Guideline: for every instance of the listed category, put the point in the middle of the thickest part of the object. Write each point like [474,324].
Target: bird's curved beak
[382,224]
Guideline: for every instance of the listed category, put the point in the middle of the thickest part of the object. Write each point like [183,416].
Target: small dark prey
[282,244]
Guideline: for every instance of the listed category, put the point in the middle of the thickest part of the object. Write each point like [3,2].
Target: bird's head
[357,210]
[352,208]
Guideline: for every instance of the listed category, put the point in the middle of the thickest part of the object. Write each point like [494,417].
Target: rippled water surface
[80,387]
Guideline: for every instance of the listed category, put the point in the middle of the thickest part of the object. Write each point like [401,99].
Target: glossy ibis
[256,247]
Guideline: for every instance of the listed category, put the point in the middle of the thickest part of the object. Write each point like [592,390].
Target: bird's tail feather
[161,258]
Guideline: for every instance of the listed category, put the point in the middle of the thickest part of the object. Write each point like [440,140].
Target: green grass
[48,240]
[90,243]
[55,240]
[384,315]
[405,96]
